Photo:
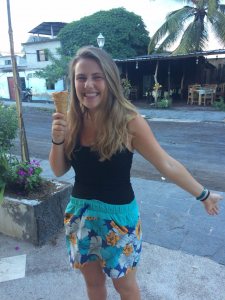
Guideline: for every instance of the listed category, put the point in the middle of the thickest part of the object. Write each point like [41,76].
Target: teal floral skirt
[99,231]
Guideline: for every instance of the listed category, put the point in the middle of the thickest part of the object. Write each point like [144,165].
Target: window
[50,85]
[8,62]
[42,55]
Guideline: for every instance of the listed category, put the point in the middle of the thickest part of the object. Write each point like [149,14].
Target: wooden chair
[193,94]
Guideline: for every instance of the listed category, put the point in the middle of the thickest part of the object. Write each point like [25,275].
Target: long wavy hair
[113,116]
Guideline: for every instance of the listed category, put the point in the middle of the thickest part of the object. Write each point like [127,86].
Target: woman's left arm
[144,141]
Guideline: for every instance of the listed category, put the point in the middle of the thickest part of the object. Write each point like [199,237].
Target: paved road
[200,146]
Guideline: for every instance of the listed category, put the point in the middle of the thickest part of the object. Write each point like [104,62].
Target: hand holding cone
[61,101]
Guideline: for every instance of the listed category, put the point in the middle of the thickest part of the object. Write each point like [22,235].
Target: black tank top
[107,181]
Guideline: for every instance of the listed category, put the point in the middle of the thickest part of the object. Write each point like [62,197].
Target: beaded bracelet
[204,195]
[58,143]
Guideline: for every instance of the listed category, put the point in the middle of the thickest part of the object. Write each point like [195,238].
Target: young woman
[98,138]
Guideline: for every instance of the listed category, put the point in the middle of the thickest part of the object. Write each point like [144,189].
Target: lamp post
[101,41]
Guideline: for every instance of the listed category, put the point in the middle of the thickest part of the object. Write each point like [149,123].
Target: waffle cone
[61,101]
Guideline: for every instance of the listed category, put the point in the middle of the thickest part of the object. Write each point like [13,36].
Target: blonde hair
[115,113]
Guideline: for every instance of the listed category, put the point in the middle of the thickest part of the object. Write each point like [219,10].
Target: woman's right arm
[57,158]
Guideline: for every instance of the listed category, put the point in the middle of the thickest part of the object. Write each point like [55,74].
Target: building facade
[35,59]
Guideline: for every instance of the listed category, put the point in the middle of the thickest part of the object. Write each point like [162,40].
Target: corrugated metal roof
[167,56]
[48,28]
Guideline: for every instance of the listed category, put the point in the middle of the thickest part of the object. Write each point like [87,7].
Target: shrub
[8,126]
[126,85]
[220,105]
[164,103]
[4,172]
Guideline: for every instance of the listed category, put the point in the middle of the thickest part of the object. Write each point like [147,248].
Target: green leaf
[2,190]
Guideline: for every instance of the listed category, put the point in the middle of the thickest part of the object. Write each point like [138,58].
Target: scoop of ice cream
[61,101]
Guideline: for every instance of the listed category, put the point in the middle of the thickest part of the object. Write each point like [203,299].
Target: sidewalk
[183,251]
[176,114]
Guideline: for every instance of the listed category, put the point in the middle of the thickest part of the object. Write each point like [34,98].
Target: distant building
[6,76]
[35,58]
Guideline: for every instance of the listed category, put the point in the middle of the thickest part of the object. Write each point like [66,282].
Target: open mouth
[90,95]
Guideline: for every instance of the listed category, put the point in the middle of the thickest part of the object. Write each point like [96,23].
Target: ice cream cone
[61,101]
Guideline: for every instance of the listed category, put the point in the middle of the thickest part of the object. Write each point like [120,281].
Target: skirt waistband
[99,206]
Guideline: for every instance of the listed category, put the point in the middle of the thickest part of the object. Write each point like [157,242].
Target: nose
[88,83]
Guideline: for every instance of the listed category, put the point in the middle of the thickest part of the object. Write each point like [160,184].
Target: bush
[126,85]
[8,126]
[164,103]
[220,105]
[4,172]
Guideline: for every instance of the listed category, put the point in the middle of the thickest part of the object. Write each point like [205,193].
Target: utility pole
[22,132]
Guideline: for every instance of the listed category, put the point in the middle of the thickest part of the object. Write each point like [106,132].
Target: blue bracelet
[204,195]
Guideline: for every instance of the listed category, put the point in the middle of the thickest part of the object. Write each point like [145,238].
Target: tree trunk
[155,92]
[22,132]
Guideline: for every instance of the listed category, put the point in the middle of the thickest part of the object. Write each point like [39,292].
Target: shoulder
[137,124]
[142,137]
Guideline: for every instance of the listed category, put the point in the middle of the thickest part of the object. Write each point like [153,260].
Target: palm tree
[191,23]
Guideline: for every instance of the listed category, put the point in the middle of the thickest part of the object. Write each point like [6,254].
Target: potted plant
[165,102]
[31,208]
[126,85]
[155,92]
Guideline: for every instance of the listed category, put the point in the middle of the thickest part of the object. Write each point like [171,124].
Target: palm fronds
[171,28]
[193,39]
[195,36]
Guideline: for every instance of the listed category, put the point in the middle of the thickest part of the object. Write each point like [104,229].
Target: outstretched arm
[146,144]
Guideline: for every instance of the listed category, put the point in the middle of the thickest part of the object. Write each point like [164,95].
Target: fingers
[57,115]
[212,207]
[59,126]
[213,211]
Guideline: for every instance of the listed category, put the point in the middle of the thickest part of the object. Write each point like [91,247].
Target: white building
[35,58]
[6,75]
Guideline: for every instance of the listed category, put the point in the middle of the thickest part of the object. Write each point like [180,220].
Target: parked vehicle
[27,94]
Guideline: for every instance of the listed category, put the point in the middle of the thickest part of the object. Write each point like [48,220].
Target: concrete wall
[31,52]
[30,66]
[34,220]
[38,85]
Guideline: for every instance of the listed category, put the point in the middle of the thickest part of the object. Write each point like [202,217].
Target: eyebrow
[97,73]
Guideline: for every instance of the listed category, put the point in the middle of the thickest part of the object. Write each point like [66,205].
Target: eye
[80,78]
[98,77]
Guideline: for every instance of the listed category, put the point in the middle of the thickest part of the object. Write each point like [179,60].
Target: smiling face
[90,83]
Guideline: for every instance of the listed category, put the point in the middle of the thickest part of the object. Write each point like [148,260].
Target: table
[205,95]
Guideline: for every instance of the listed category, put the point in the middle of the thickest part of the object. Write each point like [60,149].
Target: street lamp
[101,41]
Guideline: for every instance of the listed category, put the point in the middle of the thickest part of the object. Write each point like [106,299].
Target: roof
[167,56]
[48,28]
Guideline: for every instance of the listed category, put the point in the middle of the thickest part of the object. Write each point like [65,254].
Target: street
[200,146]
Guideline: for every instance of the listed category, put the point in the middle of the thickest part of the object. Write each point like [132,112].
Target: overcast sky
[27,14]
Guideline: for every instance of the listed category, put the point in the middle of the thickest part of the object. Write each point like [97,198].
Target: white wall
[38,85]
[31,52]
[4,90]
[31,64]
